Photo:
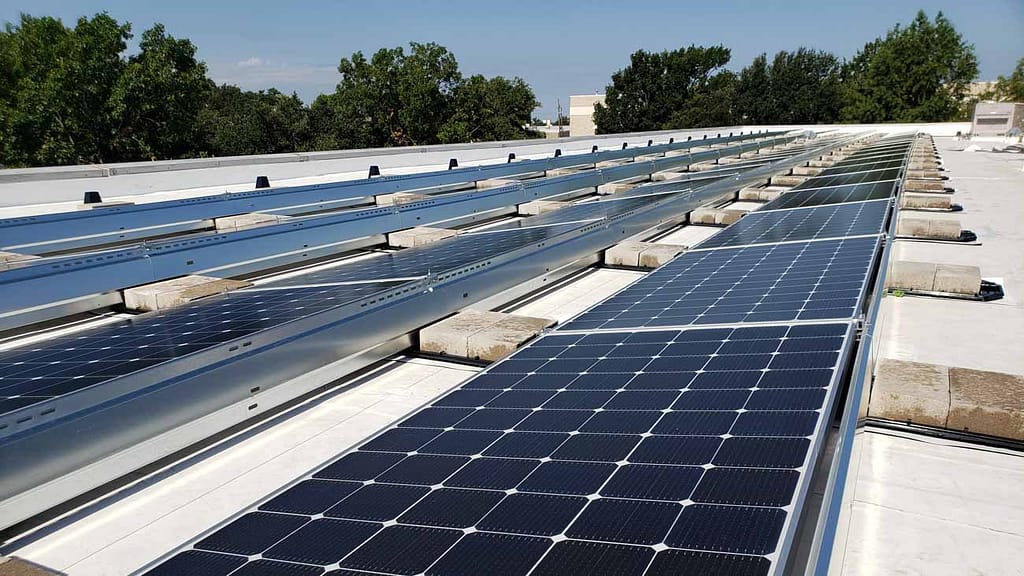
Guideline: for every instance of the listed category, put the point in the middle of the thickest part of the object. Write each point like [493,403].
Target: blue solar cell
[565,477]
[401,440]
[252,533]
[377,502]
[526,444]
[597,447]
[464,442]
[323,541]
[582,558]
[310,497]
[688,562]
[734,529]
[651,482]
[452,508]
[762,452]
[621,422]
[420,547]
[491,554]
[493,419]
[696,423]
[274,568]
[423,469]
[625,521]
[747,486]
[692,450]
[493,473]
[198,563]
[536,514]
[360,466]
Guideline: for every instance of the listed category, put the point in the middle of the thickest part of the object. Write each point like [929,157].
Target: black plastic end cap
[453,163]
[593,149]
[262,182]
[92,197]
[624,144]
[374,171]
[558,152]
[511,157]
[650,142]
[671,140]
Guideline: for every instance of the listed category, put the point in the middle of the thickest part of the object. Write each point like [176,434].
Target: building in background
[997,118]
[581,114]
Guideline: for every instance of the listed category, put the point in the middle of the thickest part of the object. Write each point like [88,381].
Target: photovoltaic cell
[836,195]
[706,471]
[767,283]
[831,221]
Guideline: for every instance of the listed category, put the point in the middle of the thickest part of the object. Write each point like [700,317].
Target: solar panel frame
[816,222]
[777,555]
[610,315]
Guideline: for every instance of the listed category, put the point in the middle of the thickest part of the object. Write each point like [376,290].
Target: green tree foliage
[1011,88]
[396,98]
[490,109]
[659,89]
[158,98]
[918,73]
[56,87]
[800,87]
[236,122]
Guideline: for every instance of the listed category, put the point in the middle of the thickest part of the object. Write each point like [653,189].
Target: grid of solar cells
[767,283]
[856,165]
[837,195]
[62,365]
[830,221]
[855,177]
[618,453]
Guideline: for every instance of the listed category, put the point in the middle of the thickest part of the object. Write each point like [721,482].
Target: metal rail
[49,233]
[79,441]
[54,286]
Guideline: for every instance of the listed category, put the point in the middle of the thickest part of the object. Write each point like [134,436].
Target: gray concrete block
[924,175]
[933,228]
[907,275]
[10,260]
[667,175]
[177,291]
[787,180]
[567,171]
[397,198]
[10,566]
[610,163]
[957,279]
[716,216]
[418,236]
[615,188]
[480,335]
[537,207]
[926,201]
[923,186]
[822,163]
[807,170]
[244,221]
[494,183]
[910,392]
[702,166]
[657,255]
[985,402]
[624,254]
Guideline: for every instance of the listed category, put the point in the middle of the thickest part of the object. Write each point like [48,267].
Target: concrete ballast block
[906,275]
[641,254]
[418,236]
[807,170]
[926,201]
[397,198]
[480,335]
[932,228]
[10,260]
[923,186]
[985,402]
[537,207]
[910,392]
[957,279]
[177,291]
[929,277]
[787,180]
[243,221]
[493,183]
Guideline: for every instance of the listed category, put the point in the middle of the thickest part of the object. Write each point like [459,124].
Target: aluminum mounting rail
[50,233]
[58,286]
[79,441]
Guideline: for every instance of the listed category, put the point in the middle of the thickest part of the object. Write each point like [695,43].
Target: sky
[558,47]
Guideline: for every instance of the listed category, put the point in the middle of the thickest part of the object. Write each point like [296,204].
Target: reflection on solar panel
[831,221]
[617,453]
[836,195]
[769,283]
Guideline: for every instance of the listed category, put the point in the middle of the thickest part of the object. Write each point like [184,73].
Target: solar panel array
[63,365]
[669,430]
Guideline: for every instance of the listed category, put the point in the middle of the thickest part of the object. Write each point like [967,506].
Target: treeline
[915,73]
[70,95]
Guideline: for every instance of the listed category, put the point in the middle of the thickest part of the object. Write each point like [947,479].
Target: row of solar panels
[50,232]
[671,429]
[139,389]
[72,278]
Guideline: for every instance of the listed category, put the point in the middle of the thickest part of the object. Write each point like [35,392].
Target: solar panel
[691,461]
[829,221]
[797,198]
[855,177]
[767,283]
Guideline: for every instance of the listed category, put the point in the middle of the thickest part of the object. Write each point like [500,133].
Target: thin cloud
[251,62]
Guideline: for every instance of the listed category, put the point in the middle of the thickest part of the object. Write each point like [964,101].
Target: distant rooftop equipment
[581,114]
[997,118]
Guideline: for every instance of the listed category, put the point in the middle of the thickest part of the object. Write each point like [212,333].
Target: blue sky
[560,48]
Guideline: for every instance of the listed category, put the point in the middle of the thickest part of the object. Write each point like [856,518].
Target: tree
[490,109]
[919,73]
[800,87]
[714,104]
[392,99]
[237,122]
[55,89]
[1011,88]
[752,89]
[158,98]
[657,87]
